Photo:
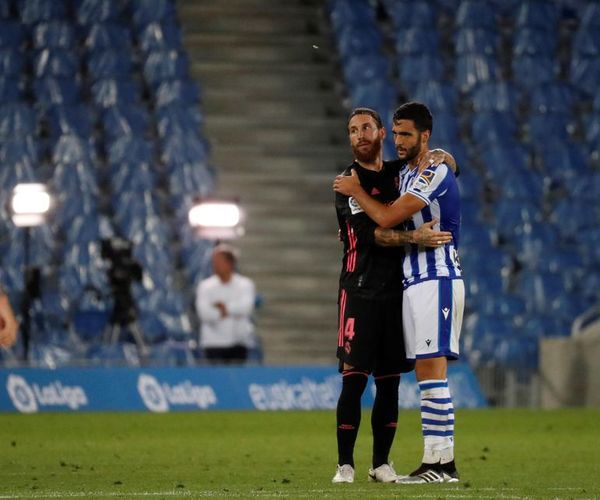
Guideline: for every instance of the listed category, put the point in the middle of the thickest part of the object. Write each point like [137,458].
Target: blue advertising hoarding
[30,390]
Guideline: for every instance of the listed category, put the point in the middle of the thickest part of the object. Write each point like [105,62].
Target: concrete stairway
[278,136]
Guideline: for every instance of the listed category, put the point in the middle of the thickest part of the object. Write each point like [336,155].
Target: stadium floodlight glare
[30,204]
[217,219]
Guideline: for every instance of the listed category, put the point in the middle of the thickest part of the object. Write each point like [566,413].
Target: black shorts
[370,335]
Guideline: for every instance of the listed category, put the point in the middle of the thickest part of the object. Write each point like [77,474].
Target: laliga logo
[160,397]
[29,398]
[21,394]
[152,394]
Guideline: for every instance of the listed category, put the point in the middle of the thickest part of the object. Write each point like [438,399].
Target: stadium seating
[96,99]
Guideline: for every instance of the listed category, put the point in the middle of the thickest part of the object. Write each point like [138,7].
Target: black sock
[384,417]
[348,414]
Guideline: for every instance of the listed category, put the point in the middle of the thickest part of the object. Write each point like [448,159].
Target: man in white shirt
[225,303]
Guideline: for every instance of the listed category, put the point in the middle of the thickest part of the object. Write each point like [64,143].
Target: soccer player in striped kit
[433,300]
[370,336]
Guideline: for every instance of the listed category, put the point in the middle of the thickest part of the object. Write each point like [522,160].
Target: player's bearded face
[367,150]
[409,153]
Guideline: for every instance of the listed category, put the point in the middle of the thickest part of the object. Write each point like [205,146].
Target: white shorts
[432,315]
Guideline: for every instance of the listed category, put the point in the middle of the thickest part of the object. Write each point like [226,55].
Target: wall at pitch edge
[200,389]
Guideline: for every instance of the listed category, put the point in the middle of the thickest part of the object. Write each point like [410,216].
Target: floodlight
[217,219]
[30,204]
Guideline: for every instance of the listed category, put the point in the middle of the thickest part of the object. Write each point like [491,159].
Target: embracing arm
[385,216]
[424,236]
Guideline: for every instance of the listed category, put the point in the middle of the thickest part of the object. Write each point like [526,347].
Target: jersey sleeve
[353,218]
[431,183]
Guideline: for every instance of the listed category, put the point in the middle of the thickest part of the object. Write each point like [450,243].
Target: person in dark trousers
[370,336]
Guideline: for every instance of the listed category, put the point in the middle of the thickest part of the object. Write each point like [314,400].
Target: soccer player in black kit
[370,338]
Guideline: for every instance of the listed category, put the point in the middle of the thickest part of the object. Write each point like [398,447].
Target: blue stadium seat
[77,174]
[190,180]
[177,120]
[518,352]
[410,41]
[50,355]
[12,62]
[564,162]
[585,187]
[120,354]
[132,178]
[164,65]
[510,213]
[591,15]
[130,150]
[506,305]
[439,96]
[476,14]
[171,353]
[549,126]
[160,36]
[181,149]
[12,34]
[82,268]
[542,14]
[97,11]
[119,121]
[362,70]
[532,71]
[495,96]
[476,41]
[446,128]
[492,128]
[586,43]
[177,92]
[556,97]
[416,69]
[108,36]
[349,12]
[353,42]
[412,14]
[51,91]
[55,63]
[21,151]
[91,315]
[70,120]
[37,11]
[535,42]
[71,149]
[11,90]
[473,70]
[53,35]
[105,64]
[568,225]
[112,92]
[145,12]
[585,74]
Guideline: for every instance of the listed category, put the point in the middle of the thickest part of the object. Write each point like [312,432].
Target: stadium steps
[277,132]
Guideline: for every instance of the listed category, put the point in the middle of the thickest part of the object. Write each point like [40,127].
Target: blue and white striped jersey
[437,187]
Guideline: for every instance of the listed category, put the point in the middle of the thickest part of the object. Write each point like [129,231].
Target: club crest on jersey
[355,208]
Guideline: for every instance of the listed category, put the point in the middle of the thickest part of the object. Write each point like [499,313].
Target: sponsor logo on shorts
[445,312]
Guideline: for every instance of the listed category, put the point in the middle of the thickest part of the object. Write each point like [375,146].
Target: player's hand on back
[427,237]
[346,184]
[437,156]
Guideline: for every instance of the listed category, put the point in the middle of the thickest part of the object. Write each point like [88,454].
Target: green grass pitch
[500,454]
